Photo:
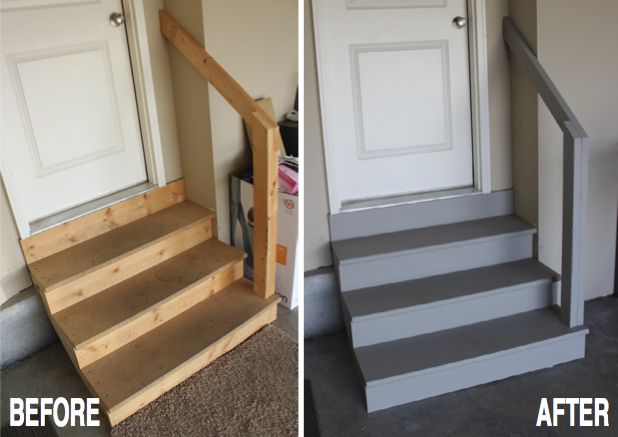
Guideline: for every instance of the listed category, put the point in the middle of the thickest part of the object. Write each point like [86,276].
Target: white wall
[257,43]
[578,46]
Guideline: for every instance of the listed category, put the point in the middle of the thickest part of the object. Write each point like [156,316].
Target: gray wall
[317,253]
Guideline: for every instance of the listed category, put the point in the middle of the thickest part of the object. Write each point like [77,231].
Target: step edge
[433,247]
[450,301]
[578,331]
[157,306]
[114,410]
[93,269]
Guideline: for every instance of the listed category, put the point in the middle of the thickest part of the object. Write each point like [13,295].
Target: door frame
[479,100]
[143,80]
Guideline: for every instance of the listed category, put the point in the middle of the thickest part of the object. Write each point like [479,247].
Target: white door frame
[479,94]
[135,21]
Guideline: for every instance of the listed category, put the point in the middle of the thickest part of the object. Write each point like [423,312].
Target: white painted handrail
[575,176]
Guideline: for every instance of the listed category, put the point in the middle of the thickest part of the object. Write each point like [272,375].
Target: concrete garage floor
[50,373]
[503,408]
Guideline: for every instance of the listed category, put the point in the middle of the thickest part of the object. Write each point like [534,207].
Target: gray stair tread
[119,303]
[389,297]
[105,247]
[400,357]
[375,245]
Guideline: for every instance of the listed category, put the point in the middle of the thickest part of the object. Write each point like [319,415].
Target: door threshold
[61,217]
[404,199]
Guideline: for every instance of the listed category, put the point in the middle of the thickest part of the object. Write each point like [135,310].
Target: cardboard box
[288,272]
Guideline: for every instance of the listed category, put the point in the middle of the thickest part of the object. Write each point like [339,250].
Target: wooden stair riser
[122,334]
[76,231]
[168,381]
[101,277]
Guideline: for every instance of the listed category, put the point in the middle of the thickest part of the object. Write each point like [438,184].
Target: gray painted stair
[428,365]
[419,306]
[399,256]
[433,309]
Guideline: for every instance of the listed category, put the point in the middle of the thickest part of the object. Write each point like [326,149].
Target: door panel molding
[365,152]
[14,5]
[35,141]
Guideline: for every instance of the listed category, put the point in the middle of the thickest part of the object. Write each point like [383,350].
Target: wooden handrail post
[266,140]
[265,202]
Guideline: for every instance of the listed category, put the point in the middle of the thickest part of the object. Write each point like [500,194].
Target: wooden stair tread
[375,301]
[385,362]
[133,371]
[351,250]
[54,269]
[120,302]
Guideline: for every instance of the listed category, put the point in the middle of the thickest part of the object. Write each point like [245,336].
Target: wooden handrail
[574,176]
[265,140]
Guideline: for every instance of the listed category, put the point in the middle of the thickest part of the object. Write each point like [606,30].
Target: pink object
[288,180]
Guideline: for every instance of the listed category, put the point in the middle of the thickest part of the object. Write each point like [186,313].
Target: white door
[395,90]
[70,129]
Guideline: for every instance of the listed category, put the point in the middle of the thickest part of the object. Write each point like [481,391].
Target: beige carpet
[250,391]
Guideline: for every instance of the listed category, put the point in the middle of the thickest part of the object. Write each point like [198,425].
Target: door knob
[460,22]
[116,19]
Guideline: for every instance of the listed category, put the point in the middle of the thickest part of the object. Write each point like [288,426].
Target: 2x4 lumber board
[201,60]
[118,315]
[136,374]
[266,141]
[77,231]
[265,204]
[101,262]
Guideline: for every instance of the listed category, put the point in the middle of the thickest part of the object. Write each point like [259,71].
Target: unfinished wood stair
[445,294]
[142,296]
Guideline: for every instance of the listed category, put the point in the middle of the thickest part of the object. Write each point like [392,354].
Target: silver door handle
[460,22]
[116,19]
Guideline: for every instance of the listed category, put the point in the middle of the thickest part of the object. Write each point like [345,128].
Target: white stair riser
[474,372]
[449,314]
[438,260]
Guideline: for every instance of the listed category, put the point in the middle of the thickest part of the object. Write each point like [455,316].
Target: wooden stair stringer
[202,275]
